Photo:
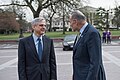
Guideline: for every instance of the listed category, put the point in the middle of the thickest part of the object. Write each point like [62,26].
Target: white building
[57,24]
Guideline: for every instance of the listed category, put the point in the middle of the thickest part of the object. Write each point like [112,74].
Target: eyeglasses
[42,25]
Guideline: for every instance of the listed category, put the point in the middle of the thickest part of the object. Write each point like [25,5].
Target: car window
[70,38]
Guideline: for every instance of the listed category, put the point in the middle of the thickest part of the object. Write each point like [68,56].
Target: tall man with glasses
[87,53]
[36,56]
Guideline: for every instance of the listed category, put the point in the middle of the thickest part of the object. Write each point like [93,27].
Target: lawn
[49,34]
[114,32]
[58,34]
[12,36]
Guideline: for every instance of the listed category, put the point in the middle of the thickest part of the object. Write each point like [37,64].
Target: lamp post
[107,21]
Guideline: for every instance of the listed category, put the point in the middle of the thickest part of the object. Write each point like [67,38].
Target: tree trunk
[36,15]
[63,21]
[50,27]
[63,24]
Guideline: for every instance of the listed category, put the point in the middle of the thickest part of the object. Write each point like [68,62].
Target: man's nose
[44,27]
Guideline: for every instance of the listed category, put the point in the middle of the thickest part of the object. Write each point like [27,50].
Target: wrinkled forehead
[70,17]
[42,22]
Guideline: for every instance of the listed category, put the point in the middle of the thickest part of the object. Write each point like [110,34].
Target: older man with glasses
[87,53]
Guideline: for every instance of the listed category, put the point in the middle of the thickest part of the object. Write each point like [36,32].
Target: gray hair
[78,15]
[37,20]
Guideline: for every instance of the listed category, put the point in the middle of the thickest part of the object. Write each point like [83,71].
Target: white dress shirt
[36,41]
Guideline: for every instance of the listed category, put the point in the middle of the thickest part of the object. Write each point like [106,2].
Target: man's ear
[33,27]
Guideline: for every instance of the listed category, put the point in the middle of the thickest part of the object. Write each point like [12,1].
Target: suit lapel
[81,37]
[32,45]
[45,48]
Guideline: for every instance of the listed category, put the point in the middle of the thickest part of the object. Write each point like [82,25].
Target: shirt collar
[35,37]
[84,26]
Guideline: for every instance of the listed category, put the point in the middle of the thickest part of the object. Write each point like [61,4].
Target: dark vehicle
[68,42]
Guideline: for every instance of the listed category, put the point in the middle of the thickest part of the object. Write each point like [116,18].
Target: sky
[94,3]
[107,4]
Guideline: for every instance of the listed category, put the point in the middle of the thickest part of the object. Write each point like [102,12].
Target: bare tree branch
[30,6]
[13,4]
[46,2]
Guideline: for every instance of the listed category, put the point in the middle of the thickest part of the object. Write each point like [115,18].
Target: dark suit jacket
[29,65]
[87,56]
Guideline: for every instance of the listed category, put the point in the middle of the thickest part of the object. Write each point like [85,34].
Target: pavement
[14,45]
[111,60]
[113,43]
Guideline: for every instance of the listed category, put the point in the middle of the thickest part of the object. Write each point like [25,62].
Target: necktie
[77,38]
[39,48]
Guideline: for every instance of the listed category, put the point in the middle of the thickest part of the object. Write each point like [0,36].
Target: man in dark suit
[87,53]
[36,56]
